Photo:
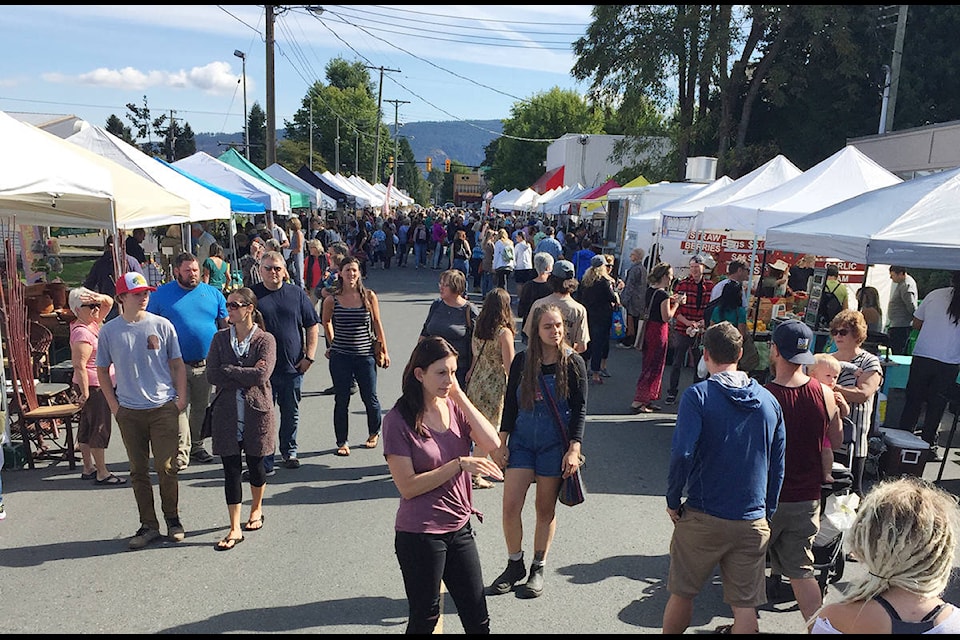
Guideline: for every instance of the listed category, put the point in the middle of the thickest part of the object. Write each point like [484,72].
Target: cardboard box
[906,454]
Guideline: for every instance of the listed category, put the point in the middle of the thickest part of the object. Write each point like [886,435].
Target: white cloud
[217,78]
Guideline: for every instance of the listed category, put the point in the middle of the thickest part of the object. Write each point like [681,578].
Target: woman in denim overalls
[534,448]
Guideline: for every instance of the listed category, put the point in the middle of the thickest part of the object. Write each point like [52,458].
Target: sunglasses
[276,268]
[91,306]
[233,306]
[839,332]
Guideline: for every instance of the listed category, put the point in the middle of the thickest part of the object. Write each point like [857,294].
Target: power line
[424,28]
[441,15]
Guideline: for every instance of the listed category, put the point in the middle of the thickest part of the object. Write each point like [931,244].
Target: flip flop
[228,543]
[111,480]
[260,520]
[373,440]
[343,451]
[89,476]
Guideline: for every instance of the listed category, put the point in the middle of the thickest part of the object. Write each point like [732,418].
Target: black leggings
[233,475]
[426,559]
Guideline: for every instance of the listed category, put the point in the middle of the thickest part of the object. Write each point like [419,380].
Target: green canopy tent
[298,200]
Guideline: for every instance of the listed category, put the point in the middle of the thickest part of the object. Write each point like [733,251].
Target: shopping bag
[839,512]
[618,326]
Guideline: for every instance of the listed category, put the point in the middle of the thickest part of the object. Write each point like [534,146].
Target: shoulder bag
[572,490]
[642,322]
[206,429]
[377,348]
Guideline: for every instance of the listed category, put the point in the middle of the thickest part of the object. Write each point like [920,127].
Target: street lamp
[246,132]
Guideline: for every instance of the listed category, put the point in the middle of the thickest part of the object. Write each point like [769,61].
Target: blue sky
[455,62]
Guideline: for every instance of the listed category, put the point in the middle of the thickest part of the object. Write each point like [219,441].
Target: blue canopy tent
[238,203]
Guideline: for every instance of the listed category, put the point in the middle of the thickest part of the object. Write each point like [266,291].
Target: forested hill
[462,141]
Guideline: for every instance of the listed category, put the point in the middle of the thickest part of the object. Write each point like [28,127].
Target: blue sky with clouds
[455,62]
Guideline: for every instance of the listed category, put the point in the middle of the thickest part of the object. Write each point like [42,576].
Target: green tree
[146,127]
[344,114]
[533,124]
[257,132]
[115,126]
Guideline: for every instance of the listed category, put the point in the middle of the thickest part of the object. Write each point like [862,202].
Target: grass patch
[75,271]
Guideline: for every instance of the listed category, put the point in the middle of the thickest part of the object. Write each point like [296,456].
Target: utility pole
[396,140]
[271,141]
[376,152]
[336,149]
[356,152]
[895,65]
[311,133]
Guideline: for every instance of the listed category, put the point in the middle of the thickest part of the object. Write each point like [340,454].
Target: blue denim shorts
[536,445]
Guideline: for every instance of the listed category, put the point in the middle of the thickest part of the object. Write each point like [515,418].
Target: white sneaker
[3,514]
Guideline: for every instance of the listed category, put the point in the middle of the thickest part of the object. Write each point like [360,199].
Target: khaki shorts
[792,530]
[700,542]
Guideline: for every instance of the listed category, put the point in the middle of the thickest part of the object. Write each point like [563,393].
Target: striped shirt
[351,329]
[860,412]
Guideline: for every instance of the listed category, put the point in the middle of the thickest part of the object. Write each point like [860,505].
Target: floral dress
[488,382]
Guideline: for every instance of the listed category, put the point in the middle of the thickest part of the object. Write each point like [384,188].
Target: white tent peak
[845,174]
[911,223]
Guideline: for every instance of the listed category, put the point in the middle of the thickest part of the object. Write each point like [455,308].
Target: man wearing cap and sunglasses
[197,311]
[151,392]
[810,413]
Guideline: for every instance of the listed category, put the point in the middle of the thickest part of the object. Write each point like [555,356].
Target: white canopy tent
[318,199]
[845,174]
[340,182]
[375,197]
[29,185]
[525,200]
[204,203]
[912,223]
[555,206]
[644,207]
[221,174]
[46,181]
[769,175]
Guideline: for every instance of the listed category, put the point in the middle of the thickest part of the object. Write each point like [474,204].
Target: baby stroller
[836,516]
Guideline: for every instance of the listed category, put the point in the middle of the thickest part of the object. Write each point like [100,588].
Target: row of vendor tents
[93,179]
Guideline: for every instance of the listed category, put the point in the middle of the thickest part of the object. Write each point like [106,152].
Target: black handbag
[572,489]
[206,429]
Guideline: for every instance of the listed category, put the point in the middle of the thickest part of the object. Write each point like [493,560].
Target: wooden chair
[39,424]
[41,339]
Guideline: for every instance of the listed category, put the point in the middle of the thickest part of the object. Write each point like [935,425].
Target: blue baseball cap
[794,340]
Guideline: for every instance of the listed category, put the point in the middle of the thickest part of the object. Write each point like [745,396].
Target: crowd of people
[479,402]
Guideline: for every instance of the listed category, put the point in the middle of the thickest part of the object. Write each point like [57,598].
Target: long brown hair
[533,359]
[338,283]
[410,404]
[495,313]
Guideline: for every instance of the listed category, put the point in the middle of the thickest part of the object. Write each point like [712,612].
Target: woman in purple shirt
[426,442]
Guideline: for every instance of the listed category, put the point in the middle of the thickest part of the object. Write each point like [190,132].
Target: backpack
[508,252]
[708,311]
[830,305]
[421,234]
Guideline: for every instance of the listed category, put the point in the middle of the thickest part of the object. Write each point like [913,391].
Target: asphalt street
[324,561]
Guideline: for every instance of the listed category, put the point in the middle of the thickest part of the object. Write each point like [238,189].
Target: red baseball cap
[133,282]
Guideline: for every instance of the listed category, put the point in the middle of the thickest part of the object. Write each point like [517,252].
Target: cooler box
[906,453]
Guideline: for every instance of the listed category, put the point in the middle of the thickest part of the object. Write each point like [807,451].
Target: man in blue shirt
[197,311]
[550,245]
[728,453]
[292,319]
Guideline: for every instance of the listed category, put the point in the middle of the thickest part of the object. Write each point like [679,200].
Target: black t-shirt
[659,295]
[799,276]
